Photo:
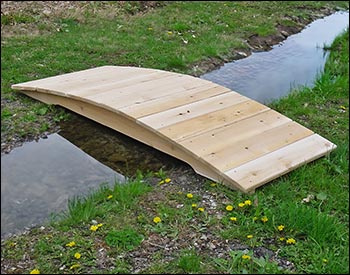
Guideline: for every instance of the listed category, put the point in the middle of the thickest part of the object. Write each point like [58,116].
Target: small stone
[211,246]
[284,33]
[242,54]
[204,237]
[308,198]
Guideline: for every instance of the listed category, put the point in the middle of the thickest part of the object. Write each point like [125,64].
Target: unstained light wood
[269,166]
[223,135]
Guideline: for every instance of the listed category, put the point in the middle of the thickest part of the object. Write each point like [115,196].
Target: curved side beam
[129,126]
[223,135]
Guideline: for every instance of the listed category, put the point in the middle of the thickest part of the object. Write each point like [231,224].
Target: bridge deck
[223,135]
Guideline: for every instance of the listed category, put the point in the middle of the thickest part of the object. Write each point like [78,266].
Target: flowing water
[265,76]
[38,178]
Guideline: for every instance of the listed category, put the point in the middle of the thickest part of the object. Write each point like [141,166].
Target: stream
[40,177]
[291,64]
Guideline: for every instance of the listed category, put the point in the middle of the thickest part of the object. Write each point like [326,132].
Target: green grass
[243,263]
[189,262]
[112,225]
[127,238]
[94,207]
[176,37]
[16,19]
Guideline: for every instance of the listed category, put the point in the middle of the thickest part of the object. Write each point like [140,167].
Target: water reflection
[39,177]
[265,76]
[119,152]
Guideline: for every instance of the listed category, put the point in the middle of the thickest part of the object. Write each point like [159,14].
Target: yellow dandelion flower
[35,271]
[201,209]
[75,266]
[241,204]
[290,241]
[93,227]
[248,202]
[77,255]
[264,219]
[194,204]
[100,224]
[109,197]
[325,261]
[157,219]
[189,195]
[11,244]
[161,182]
[342,107]
[234,219]
[280,227]
[70,244]
[167,180]
[229,207]
[249,236]
[150,29]
[170,32]
[245,257]
[213,184]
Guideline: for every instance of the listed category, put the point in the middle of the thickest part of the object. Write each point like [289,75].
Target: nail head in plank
[185,112]
[238,131]
[173,100]
[238,153]
[277,163]
[213,120]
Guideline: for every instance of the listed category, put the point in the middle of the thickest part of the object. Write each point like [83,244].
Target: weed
[189,262]
[127,238]
[243,262]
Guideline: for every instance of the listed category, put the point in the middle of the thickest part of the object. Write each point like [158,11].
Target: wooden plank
[117,83]
[173,100]
[86,81]
[213,120]
[185,112]
[65,82]
[138,89]
[238,131]
[102,92]
[145,91]
[277,163]
[237,153]
[67,77]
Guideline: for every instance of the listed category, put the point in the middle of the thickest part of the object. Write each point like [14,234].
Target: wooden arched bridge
[223,135]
